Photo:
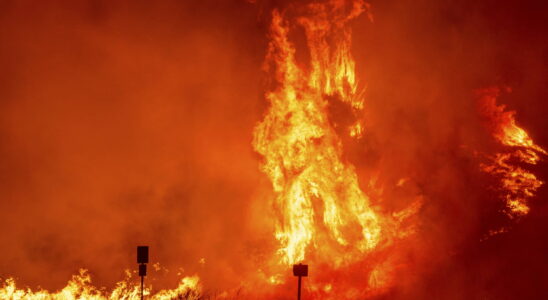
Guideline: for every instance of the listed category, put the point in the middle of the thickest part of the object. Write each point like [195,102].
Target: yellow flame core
[318,199]
[518,184]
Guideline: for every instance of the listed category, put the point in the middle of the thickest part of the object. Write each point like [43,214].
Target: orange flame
[320,204]
[80,287]
[517,183]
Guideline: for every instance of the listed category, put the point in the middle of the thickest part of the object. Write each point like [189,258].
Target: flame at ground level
[80,287]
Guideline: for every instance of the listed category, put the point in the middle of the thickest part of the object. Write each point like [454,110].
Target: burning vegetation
[80,287]
[516,183]
[356,192]
[319,200]
[324,217]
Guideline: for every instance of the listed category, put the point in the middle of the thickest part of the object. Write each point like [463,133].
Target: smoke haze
[126,123]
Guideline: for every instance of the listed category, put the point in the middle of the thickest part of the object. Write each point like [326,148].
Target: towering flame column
[320,207]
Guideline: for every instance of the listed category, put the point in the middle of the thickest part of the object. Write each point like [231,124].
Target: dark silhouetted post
[142,260]
[142,286]
[300,271]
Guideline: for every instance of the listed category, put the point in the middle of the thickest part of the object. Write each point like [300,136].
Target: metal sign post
[142,260]
[300,271]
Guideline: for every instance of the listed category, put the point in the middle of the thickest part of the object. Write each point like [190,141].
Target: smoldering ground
[128,123]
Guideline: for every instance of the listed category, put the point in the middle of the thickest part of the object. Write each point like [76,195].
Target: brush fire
[322,149]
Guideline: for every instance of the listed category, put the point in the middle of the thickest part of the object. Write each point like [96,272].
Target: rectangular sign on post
[142,260]
[142,254]
[300,270]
